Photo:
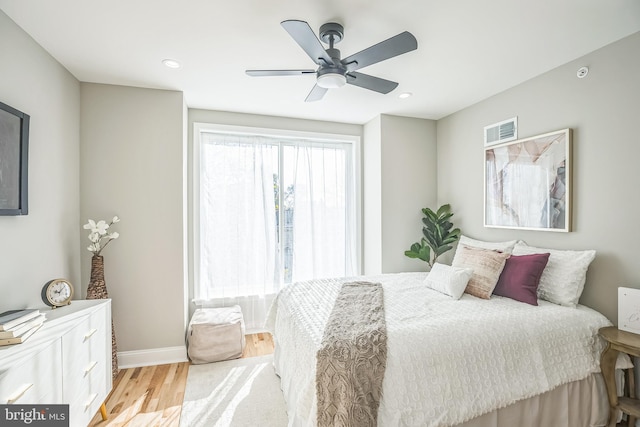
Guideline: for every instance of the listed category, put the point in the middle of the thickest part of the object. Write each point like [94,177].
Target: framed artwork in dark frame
[14,161]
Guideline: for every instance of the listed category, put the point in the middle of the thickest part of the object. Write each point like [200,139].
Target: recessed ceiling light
[582,72]
[171,63]
[405,95]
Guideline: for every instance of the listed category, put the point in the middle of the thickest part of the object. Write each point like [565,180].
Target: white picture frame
[527,183]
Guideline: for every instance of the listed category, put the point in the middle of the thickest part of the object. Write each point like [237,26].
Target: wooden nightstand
[625,342]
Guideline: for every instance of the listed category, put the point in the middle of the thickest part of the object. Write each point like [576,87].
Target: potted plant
[438,235]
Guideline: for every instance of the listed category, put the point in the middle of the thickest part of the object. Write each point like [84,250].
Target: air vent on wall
[504,131]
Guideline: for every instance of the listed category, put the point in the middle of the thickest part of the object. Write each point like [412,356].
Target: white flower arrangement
[99,236]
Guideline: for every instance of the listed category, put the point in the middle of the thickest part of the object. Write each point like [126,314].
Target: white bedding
[448,360]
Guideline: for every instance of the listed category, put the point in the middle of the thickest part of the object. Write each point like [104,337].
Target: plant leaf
[430,215]
[443,249]
[425,254]
[444,208]
[439,235]
[411,254]
[445,217]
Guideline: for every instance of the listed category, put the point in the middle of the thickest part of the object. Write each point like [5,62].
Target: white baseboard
[153,356]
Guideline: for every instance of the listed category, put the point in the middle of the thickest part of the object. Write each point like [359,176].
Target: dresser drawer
[86,405]
[67,361]
[83,354]
[36,380]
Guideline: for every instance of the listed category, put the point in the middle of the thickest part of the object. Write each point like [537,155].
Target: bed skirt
[582,403]
[577,404]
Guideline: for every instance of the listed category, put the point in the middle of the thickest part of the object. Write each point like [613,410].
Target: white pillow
[449,280]
[506,247]
[562,280]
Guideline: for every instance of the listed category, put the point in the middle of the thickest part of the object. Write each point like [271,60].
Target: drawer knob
[18,394]
[88,334]
[90,401]
[90,367]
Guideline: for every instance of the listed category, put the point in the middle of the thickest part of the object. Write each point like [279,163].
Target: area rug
[233,393]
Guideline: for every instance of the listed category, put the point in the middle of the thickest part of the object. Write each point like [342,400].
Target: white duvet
[448,360]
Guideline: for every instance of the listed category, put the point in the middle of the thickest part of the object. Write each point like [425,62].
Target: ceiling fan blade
[316,94]
[306,38]
[370,82]
[262,73]
[396,45]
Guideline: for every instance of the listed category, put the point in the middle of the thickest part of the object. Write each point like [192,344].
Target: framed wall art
[14,154]
[527,183]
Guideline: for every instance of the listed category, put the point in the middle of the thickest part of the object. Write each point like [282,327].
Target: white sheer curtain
[323,207]
[239,256]
[272,211]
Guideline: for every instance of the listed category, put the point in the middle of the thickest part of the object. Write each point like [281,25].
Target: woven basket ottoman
[215,334]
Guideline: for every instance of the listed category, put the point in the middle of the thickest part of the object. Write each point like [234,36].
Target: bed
[468,362]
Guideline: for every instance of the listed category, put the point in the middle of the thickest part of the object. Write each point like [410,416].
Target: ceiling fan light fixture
[331,80]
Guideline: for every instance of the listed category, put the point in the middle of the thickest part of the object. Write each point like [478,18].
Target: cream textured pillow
[506,247]
[486,264]
[449,280]
[562,280]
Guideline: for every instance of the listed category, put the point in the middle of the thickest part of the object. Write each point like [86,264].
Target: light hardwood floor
[152,395]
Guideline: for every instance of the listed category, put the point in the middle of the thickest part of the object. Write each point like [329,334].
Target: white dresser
[68,360]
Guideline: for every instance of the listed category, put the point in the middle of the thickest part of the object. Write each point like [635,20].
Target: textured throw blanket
[352,358]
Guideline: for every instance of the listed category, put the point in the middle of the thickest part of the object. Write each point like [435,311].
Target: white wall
[132,165]
[603,110]
[400,180]
[44,244]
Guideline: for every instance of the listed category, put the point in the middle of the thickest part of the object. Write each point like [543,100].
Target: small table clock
[57,292]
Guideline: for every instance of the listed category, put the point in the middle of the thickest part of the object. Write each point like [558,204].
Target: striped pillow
[474,243]
[486,264]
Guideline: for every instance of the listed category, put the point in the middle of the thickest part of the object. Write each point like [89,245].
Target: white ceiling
[468,50]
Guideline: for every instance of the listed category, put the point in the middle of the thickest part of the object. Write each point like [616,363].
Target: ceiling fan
[333,72]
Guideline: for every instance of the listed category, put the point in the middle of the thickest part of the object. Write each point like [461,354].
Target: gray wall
[372,196]
[132,165]
[399,180]
[44,244]
[408,185]
[603,110]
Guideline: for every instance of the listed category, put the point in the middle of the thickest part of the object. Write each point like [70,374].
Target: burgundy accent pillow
[520,277]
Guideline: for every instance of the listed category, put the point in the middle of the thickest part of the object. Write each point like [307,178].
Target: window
[272,208]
